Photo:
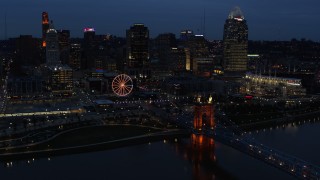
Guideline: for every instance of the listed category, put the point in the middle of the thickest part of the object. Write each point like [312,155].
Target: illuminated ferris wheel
[122,85]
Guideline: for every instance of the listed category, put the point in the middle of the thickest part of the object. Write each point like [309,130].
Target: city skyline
[267,21]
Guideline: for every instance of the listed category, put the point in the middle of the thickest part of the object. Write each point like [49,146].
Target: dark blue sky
[267,19]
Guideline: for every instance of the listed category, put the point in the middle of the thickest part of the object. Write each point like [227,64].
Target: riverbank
[275,122]
[88,139]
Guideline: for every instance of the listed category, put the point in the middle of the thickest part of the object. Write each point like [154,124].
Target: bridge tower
[202,146]
[203,113]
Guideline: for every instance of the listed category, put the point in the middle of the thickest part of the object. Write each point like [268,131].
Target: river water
[193,158]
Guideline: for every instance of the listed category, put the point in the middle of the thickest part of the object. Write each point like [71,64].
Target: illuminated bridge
[226,132]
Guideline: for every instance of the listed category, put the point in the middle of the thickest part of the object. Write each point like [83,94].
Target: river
[193,158]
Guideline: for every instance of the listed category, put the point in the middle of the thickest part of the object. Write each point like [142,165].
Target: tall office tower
[64,45]
[88,37]
[177,59]
[163,46]
[186,34]
[137,46]
[52,48]
[235,39]
[45,27]
[75,56]
[201,61]
[138,51]
[87,60]
[27,53]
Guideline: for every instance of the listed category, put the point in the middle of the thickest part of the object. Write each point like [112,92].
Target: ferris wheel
[122,85]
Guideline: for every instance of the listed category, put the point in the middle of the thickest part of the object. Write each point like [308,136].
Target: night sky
[267,19]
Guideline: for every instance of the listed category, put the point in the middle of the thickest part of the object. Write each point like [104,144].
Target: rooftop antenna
[204,22]
[5,25]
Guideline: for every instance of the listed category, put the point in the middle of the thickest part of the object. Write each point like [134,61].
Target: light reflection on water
[194,158]
[291,128]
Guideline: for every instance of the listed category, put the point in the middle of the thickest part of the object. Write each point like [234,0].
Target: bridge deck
[227,133]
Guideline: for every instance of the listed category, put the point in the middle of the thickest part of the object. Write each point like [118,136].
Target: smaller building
[190,85]
[25,87]
[103,105]
[60,79]
[177,59]
[203,66]
[260,85]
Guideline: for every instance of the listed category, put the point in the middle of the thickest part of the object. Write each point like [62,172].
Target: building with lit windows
[75,56]
[259,85]
[201,62]
[163,44]
[138,51]
[235,41]
[60,80]
[254,63]
[25,87]
[186,34]
[89,34]
[203,66]
[52,48]
[64,45]
[177,59]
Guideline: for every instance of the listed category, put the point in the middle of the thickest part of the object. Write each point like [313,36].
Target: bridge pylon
[203,113]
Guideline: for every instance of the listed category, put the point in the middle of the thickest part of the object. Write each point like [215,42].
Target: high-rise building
[27,52]
[201,61]
[177,59]
[45,27]
[64,45]
[52,48]
[88,61]
[163,45]
[89,34]
[138,51]
[186,34]
[137,46]
[235,39]
[75,56]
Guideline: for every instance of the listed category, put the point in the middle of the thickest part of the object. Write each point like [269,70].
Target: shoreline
[135,140]
[281,121]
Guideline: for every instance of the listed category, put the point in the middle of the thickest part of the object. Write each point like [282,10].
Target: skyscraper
[89,37]
[89,54]
[138,51]
[27,52]
[137,46]
[64,45]
[163,46]
[52,48]
[45,27]
[235,39]
[75,56]
[186,35]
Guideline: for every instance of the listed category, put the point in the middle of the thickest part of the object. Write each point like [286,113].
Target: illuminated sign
[248,97]
[88,30]
[238,19]
[253,55]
